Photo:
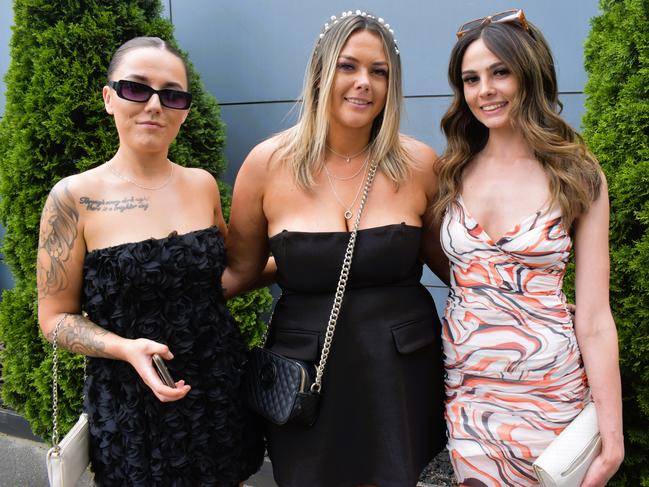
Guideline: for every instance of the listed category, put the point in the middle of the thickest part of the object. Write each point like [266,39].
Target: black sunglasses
[141,93]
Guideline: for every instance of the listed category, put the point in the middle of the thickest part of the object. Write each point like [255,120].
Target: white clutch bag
[67,461]
[565,461]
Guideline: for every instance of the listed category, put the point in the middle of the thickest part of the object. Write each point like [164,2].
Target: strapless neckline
[173,234]
[389,226]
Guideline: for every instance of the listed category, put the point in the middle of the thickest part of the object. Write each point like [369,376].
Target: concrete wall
[251,55]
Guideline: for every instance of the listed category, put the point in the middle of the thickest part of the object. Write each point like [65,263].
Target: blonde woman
[297,195]
[518,191]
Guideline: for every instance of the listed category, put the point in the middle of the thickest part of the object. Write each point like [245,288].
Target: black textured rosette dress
[168,290]
[381,414]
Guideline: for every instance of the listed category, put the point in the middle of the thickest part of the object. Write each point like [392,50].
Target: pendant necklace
[132,181]
[348,158]
[348,209]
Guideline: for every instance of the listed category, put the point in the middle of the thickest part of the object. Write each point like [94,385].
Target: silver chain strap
[55,383]
[342,283]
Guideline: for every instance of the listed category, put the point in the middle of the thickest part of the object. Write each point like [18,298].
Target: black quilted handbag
[279,388]
[283,390]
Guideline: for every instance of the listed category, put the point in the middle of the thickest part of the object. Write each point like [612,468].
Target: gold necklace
[348,209]
[132,181]
[348,158]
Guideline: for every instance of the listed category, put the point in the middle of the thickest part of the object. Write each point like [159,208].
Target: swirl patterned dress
[514,375]
[168,290]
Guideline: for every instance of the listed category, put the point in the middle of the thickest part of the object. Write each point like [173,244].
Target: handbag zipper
[302,378]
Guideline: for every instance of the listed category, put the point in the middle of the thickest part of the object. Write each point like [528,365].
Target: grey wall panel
[420,119]
[439,295]
[426,32]
[6,20]
[247,125]
[573,109]
[257,51]
[430,279]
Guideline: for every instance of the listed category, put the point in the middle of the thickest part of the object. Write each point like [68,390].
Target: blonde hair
[303,146]
[573,171]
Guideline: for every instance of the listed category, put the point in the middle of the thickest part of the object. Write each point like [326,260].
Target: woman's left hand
[605,464]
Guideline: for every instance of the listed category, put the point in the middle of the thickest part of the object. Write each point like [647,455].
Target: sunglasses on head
[140,93]
[513,15]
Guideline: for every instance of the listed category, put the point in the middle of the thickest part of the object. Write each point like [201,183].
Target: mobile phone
[163,371]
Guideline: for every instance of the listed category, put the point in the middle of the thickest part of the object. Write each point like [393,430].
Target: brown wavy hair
[573,171]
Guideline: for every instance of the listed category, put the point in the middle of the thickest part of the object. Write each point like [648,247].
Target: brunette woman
[518,191]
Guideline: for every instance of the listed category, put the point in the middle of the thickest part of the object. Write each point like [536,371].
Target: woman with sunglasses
[518,190]
[298,195]
[137,244]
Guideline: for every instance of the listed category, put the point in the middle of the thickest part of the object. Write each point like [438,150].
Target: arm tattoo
[80,335]
[58,234]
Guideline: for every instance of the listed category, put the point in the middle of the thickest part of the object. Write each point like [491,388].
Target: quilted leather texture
[272,388]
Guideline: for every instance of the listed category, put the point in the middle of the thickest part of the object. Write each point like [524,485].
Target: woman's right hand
[139,354]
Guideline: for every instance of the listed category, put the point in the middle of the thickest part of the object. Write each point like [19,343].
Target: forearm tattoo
[121,205]
[58,234]
[80,335]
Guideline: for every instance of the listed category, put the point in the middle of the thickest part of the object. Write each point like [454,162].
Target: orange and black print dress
[515,377]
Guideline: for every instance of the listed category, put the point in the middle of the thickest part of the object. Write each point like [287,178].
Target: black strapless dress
[168,290]
[381,417]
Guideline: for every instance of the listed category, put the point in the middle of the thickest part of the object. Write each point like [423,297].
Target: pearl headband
[334,20]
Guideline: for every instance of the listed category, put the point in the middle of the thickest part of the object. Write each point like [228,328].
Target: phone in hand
[163,371]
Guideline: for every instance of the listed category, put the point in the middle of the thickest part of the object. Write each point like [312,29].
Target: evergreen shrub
[616,127]
[55,125]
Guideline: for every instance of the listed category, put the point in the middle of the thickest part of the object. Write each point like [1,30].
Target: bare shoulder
[198,177]
[70,196]
[424,158]
[423,154]
[264,154]
[84,183]
[261,163]
[199,183]
[69,189]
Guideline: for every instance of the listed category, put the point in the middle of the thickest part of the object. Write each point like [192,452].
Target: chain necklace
[132,181]
[348,209]
[347,178]
[348,158]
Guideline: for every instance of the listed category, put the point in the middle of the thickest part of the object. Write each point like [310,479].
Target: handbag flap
[296,344]
[566,460]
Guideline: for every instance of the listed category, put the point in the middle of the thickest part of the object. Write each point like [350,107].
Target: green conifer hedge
[55,125]
[617,130]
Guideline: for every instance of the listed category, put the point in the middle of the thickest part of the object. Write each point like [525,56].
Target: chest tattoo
[118,205]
